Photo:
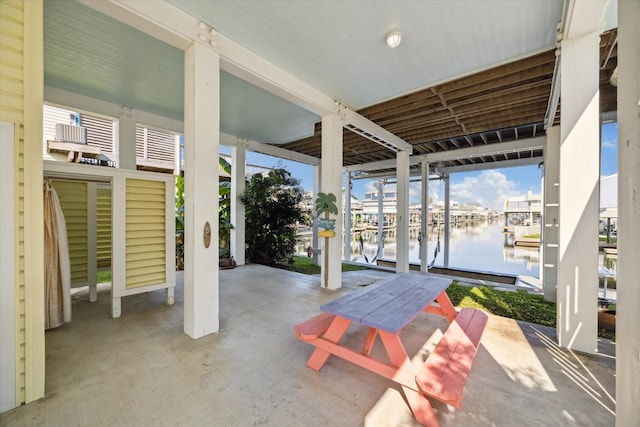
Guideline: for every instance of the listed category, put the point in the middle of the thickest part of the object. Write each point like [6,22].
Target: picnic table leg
[447,306]
[334,333]
[419,404]
[368,342]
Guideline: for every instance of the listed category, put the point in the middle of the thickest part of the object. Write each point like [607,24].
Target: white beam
[582,17]
[368,129]
[464,168]
[248,66]
[493,165]
[271,150]
[159,19]
[485,150]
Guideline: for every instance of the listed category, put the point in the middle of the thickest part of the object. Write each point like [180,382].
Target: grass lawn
[519,305]
[104,276]
[305,265]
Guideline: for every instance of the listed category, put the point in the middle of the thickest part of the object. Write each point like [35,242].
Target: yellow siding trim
[145,233]
[33,203]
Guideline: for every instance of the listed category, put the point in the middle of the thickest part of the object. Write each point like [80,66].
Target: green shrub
[272,211]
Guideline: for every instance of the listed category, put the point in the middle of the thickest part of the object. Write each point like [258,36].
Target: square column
[579,191]
[447,218]
[551,214]
[314,227]
[202,138]
[127,141]
[628,280]
[424,220]
[402,212]
[347,217]
[332,183]
[238,184]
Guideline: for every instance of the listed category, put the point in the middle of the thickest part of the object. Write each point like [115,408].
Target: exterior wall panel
[73,200]
[145,233]
[12,109]
[103,231]
[21,50]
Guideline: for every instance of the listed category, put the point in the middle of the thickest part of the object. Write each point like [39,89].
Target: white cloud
[610,143]
[489,188]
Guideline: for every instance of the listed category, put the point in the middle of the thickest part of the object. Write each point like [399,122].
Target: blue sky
[488,187]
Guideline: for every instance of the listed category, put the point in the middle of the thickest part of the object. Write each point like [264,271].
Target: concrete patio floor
[142,370]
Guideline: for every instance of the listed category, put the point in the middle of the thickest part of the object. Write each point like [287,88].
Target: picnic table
[386,307]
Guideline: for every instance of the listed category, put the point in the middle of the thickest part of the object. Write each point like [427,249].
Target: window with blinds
[155,150]
[100,133]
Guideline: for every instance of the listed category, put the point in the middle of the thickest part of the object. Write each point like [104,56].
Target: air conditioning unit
[69,133]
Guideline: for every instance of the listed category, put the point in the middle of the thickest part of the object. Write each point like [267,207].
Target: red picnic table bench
[386,307]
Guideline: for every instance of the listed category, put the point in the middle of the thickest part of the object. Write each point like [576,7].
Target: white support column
[579,191]
[447,219]
[238,167]
[424,220]
[332,183]
[92,240]
[402,212]
[202,133]
[380,186]
[628,298]
[314,236]
[347,217]
[127,141]
[118,243]
[551,214]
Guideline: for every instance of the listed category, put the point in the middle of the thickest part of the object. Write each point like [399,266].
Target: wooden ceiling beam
[541,73]
[443,101]
[500,72]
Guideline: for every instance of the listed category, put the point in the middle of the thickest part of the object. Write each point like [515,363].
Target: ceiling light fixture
[394,38]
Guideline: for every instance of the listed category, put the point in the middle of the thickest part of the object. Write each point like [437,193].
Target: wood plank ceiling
[497,105]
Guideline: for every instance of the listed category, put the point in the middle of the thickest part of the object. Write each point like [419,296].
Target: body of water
[482,247]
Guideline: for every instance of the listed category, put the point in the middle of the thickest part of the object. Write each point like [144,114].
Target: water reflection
[482,247]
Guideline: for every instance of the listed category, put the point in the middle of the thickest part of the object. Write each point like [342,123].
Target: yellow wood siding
[12,109]
[73,200]
[21,55]
[12,64]
[145,233]
[103,228]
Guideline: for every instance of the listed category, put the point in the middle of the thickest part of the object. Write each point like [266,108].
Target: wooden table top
[389,304]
